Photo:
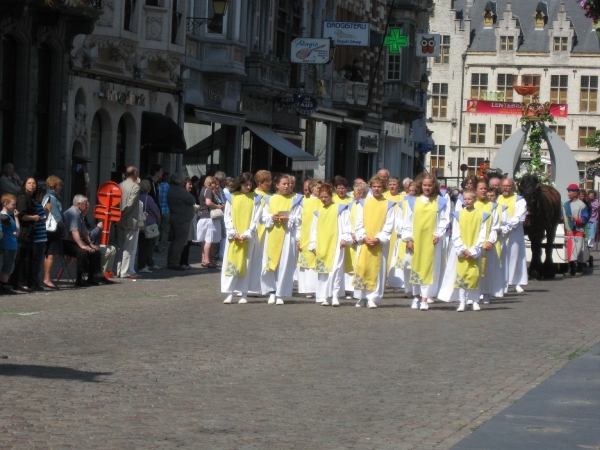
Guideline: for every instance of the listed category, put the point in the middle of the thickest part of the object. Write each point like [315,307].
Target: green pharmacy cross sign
[395,40]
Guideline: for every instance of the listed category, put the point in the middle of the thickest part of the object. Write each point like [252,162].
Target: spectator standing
[78,243]
[9,217]
[10,183]
[154,179]
[181,207]
[593,222]
[22,276]
[53,206]
[209,229]
[145,244]
[575,217]
[184,261]
[220,200]
[40,238]
[165,221]
[128,226]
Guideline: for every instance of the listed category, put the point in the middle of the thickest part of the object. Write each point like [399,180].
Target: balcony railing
[350,92]
[262,72]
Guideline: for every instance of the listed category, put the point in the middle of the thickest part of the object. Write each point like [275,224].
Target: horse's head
[529,188]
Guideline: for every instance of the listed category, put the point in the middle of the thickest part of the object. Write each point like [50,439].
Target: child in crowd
[9,217]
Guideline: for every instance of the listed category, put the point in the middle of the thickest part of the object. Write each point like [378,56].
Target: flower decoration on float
[591,8]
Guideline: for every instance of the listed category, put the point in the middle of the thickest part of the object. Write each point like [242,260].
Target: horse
[543,216]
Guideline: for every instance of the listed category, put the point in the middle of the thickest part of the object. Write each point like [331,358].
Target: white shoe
[469,302]
[429,300]
[325,303]
[519,289]
[348,297]
[481,297]
[461,307]
[371,304]
[359,303]
[335,301]
[228,299]
[145,270]
[415,304]
[239,294]
[271,299]
[424,306]
[309,296]
[243,300]
[279,302]
[476,307]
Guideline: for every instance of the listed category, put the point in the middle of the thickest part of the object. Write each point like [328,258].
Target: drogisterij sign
[347,33]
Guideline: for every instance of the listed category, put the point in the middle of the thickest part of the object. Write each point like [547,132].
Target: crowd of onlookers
[162,213]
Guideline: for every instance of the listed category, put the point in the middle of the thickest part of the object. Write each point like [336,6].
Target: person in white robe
[361,190]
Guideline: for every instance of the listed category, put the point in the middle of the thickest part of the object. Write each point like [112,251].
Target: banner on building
[347,33]
[310,51]
[510,108]
[428,45]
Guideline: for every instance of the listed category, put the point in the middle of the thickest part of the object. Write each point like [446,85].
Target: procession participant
[468,236]
[242,211]
[374,224]
[394,195]
[292,186]
[492,280]
[306,189]
[493,194]
[469,184]
[282,217]
[516,264]
[340,195]
[425,223]
[593,222]
[403,257]
[307,277]
[384,174]
[575,216]
[398,252]
[406,185]
[361,190]
[330,232]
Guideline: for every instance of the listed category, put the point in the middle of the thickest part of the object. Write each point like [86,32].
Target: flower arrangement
[591,8]
[534,143]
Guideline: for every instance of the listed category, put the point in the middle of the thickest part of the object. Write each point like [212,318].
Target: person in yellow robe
[361,189]
[394,195]
[263,181]
[425,223]
[329,235]
[374,225]
[469,232]
[340,195]
[282,218]
[242,211]
[305,274]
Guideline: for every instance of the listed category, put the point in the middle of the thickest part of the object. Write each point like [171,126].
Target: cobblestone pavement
[162,363]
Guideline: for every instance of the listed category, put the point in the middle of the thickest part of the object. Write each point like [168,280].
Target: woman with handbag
[209,225]
[184,260]
[54,226]
[22,277]
[148,235]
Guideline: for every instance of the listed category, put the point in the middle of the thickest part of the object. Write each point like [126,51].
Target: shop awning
[203,149]
[301,160]
[161,134]
[222,117]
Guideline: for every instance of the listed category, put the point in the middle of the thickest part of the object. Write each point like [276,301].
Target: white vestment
[396,275]
[516,263]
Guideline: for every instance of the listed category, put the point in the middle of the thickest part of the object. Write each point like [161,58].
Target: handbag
[214,213]
[142,217]
[51,223]
[152,231]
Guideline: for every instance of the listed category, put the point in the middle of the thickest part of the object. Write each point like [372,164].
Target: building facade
[489,46]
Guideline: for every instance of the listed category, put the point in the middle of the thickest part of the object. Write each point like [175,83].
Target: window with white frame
[588,99]
[561,130]
[505,85]
[503,132]
[439,100]
[477,134]
[584,133]
[444,57]
[558,88]
[507,43]
[479,84]
[561,44]
[394,61]
[437,160]
[473,165]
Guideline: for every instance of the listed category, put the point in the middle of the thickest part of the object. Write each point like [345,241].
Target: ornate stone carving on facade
[106,20]
[152,96]
[154,28]
[118,50]
[79,126]
[166,63]
[191,48]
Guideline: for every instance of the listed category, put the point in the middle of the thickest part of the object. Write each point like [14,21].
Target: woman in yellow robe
[374,224]
[330,232]
[242,211]
[361,189]
[282,217]
[340,195]
[425,222]
[307,277]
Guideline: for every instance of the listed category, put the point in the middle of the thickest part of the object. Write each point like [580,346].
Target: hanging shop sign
[428,45]
[124,98]
[368,142]
[307,105]
[310,51]
[395,40]
[348,33]
[510,108]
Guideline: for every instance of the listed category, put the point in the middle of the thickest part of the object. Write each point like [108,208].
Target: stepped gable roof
[484,39]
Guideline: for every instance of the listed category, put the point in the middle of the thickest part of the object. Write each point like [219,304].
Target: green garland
[534,142]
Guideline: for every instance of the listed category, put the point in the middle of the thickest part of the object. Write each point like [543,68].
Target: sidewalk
[562,412]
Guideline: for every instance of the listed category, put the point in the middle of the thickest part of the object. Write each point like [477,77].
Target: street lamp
[219,9]
[424,82]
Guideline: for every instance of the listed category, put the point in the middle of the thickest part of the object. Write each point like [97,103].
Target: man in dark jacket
[182,209]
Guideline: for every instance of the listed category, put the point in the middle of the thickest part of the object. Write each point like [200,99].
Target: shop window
[505,85]
[444,57]
[558,88]
[588,98]
[437,160]
[584,133]
[439,100]
[503,132]
[479,84]
[477,134]
[473,165]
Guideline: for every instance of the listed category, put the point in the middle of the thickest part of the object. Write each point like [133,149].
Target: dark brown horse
[543,216]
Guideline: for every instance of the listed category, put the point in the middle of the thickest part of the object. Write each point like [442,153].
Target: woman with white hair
[209,224]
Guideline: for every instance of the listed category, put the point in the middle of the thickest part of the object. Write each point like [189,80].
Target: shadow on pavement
[65,373]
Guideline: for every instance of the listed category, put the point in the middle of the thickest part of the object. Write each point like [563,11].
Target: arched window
[8,53]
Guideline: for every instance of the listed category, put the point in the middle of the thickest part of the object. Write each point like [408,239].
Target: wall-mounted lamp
[219,9]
